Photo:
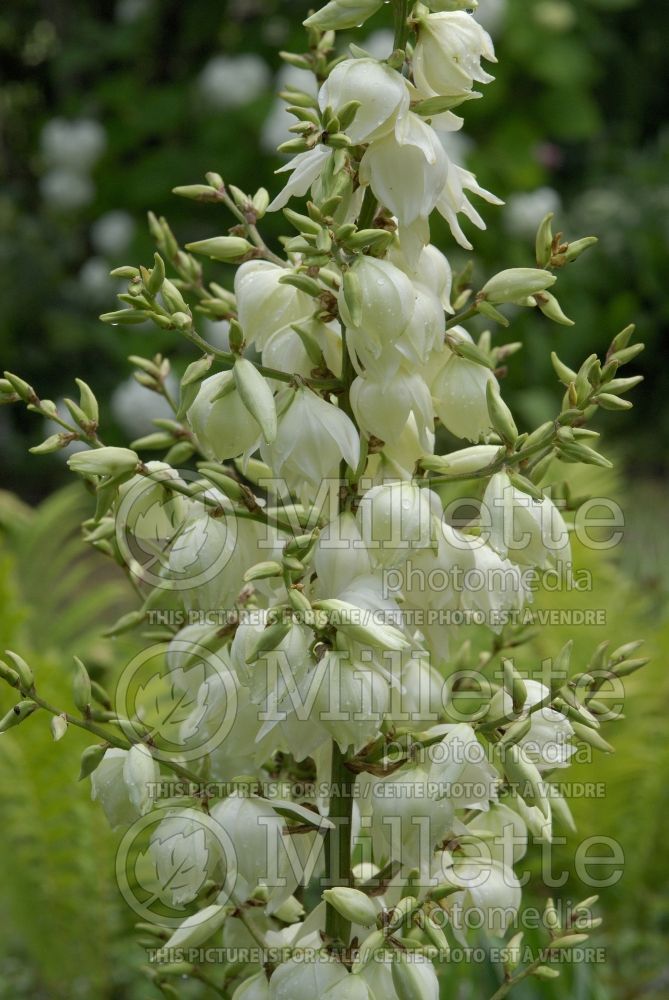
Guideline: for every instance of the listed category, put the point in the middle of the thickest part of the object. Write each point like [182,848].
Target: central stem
[338,843]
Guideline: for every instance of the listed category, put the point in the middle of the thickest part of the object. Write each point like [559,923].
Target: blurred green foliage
[577,113]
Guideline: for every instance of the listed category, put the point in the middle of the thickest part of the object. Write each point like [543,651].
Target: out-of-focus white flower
[381,91]
[135,407]
[525,210]
[447,58]
[312,439]
[407,169]
[232,81]
[74,145]
[491,14]
[111,233]
[528,531]
[95,281]
[276,125]
[65,189]
[263,304]
[129,11]
[453,201]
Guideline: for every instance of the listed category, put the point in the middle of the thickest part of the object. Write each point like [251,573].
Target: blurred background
[103,109]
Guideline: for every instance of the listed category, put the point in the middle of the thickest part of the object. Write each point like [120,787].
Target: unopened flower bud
[225,248]
[353,904]
[104,462]
[517,283]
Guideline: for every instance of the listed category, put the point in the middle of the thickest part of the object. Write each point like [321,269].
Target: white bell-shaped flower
[375,306]
[319,975]
[407,170]
[396,519]
[256,832]
[459,395]
[313,437]
[383,406]
[148,510]
[264,305]
[496,587]
[490,893]
[340,556]
[351,701]
[431,269]
[381,91]
[547,744]
[528,531]
[224,427]
[183,853]
[122,782]
[448,53]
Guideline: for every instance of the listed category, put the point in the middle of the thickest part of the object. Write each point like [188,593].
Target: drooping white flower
[528,531]
[547,744]
[396,519]
[351,701]
[431,269]
[320,976]
[495,588]
[381,91]
[256,832]
[447,58]
[453,200]
[424,333]
[489,889]
[383,406]
[223,426]
[312,439]
[407,170]
[340,556]
[459,395]
[122,784]
[263,304]
[375,304]
[183,853]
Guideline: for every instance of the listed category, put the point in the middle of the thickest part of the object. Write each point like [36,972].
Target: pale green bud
[551,308]
[414,977]
[196,192]
[17,714]
[545,972]
[26,676]
[225,248]
[501,417]
[371,944]
[257,397]
[81,687]
[569,941]
[517,283]
[9,675]
[104,462]
[544,241]
[352,904]
[87,401]
[339,14]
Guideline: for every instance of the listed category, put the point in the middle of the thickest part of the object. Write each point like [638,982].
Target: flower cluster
[325,707]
